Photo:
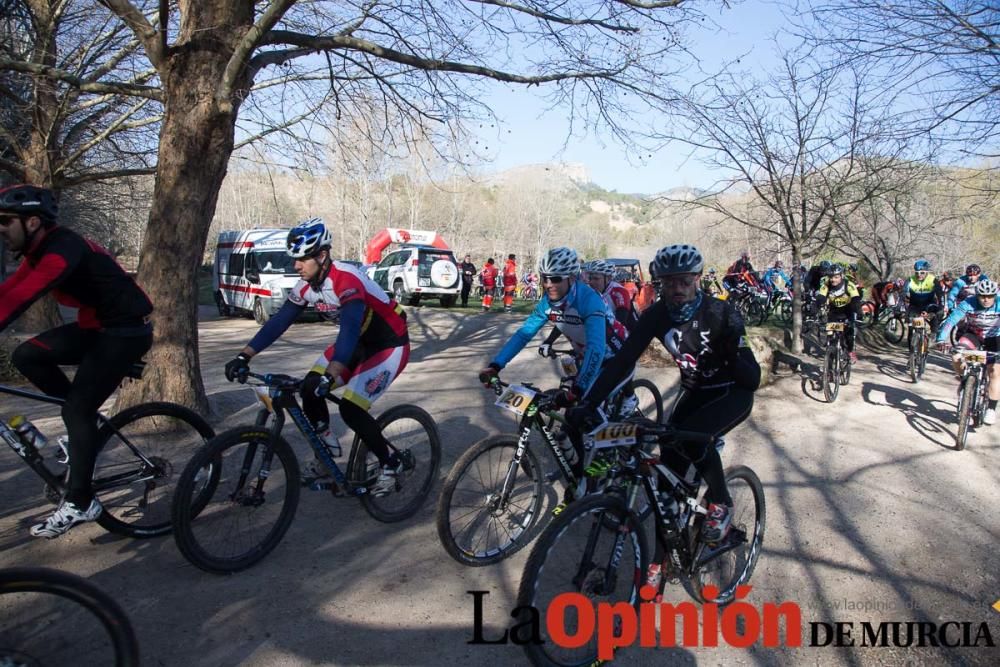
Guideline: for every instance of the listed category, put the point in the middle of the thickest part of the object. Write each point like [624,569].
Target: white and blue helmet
[307,238]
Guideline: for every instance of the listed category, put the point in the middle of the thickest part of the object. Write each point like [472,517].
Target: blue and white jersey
[776,278]
[962,289]
[581,316]
[983,322]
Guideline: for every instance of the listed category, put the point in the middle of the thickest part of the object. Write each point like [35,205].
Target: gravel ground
[871,516]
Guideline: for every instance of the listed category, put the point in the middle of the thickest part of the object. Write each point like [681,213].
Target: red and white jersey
[384,323]
[617,297]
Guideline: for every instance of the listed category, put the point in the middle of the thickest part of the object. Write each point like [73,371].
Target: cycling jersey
[776,279]
[982,322]
[962,289]
[922,293]
[839,297]
[619,302]
[710,349]
[583,318]
[80,274]
[377,323]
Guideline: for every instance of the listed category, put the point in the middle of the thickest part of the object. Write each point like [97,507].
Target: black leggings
[357,418]
[102,362]
[714,411]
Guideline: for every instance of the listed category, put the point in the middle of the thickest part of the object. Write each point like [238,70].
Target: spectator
[488,278]
[468,275]
[509,283]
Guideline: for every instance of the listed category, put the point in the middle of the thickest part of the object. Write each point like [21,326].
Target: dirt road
[871,516]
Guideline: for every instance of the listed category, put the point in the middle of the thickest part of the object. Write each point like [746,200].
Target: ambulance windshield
[275,262]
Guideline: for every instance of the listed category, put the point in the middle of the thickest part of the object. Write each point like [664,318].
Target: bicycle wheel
[576,553]
[650,401]
[966,397]
[831,373]
[476,523]
[785,311]
[894,329]
[242,521]
[845,369]
[48,617]
[414,435]
[756,312]
[913,360]
[733,563]
[924,351]
[136,494]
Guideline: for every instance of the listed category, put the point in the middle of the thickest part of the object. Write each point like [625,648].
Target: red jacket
[489,275]
[510,274]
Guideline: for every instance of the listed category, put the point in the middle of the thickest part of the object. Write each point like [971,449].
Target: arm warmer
[351,315]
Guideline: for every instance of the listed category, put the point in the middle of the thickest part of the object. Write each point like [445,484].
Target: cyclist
[488,280]
[530,282]
[880,296]
[509,283]
[740,272]
[844,299]
[710,285]
[947,281]
[579,313]
[965,287]
[719,375]
[112,332]
[371,350]
[776,282]
[600,276]
[981,314]
[922,295]
[853,275]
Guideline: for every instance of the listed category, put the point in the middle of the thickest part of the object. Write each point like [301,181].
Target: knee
[27,355]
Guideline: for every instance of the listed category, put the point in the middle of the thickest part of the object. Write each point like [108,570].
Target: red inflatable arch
[374,248]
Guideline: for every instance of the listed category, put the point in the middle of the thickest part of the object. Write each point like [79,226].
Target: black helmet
[836,270]
[825,266]
[29,200]
[973,270]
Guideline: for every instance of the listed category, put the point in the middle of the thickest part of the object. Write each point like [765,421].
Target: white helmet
[602,267]
[677,259]
[986,288]
[561,261]
[307,238]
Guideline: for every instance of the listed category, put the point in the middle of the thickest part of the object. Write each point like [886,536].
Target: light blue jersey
[983,322]
[581,316]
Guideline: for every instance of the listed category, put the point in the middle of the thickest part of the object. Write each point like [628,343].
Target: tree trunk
[196,141]
[797,304]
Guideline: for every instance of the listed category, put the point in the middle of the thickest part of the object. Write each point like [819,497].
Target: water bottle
[568,364]
[28,432]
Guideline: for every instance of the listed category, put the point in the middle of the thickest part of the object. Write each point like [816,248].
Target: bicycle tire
[895,329]
[913,360]
[785,311]
[655,400]
[364,466]
[831,374]
[964,412]
[543,561]
[196,539]
[98,604]
[845,369]
[142,508]
[530,508]
[743,560]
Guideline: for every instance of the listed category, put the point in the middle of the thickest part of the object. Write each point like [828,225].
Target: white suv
[413,272]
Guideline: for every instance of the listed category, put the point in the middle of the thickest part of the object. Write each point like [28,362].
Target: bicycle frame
[277,400]
[29,454]
[982,382]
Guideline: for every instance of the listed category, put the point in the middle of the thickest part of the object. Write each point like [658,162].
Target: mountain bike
[920,345]
[836,363]
[973,391]
[140,450]
[895,323]
[251,504]
[48,617]
[597,546]
[492,497]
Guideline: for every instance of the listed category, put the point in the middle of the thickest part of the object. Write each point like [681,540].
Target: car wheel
[259,314]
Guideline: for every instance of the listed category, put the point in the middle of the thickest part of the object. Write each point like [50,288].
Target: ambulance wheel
[221,305]
[259,314]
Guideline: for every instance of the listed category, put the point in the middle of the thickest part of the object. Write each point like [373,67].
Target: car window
[427,258]
[388,260]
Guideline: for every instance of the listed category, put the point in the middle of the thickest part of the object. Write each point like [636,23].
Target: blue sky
[529,135]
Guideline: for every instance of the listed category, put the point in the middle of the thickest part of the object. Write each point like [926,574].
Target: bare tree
[943,55]
[64,135]
[796,148]
[423,58]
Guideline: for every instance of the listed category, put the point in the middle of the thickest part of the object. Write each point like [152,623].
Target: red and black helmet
[27,200]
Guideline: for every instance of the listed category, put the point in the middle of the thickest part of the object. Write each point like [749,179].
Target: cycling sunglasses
[555,280]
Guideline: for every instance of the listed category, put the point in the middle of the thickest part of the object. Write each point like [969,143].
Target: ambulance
[253,274]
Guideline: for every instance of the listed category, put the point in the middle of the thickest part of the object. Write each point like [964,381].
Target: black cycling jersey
[81,274]
[710,349]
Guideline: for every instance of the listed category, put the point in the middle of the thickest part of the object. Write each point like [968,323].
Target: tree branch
[55,74]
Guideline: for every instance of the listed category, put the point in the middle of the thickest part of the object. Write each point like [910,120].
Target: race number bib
[516,399]
[835,326]
[918,322]
[615,435]
[974,356]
